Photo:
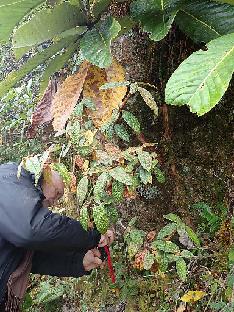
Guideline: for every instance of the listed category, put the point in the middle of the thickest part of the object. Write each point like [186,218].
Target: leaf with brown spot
[67,96]
[105,100]
[42,113]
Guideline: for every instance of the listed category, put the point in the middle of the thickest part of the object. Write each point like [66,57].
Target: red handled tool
[105,254]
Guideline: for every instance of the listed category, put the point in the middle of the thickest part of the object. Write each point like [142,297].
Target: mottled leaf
[117,191]
[121,175]
[132,121]
[186,254]
[64,173]
[101,219]
[167,230]
[34,164]
[181,269]
[145,176]
[148,260]
[78,110]
[166,246]
[95,44]
[173,217]
[88,103]
[99,188]
[113,215]
[160,176]
[114,84]
[145,160]
[84,218]
[193,236]
[122,132]
[67,96]
[149,100]
[82,190]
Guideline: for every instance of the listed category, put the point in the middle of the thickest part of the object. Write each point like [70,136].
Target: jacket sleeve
[62,264]
[26,223]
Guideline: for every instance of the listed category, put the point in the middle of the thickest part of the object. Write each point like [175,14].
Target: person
[35,239]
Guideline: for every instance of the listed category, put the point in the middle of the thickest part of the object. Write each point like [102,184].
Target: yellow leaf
[67,96]
[105,100]
[89,136]
[192,296]
[85,165]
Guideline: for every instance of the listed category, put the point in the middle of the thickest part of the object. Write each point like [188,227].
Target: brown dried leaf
[182,307]
[42,113]
[129,194]
[139,260]
[106,100]
[67,96]
[73,183]
[151,236]
[112,149]
[79,161]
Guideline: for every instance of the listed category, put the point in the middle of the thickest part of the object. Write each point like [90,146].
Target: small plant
[163,250]
[211,220]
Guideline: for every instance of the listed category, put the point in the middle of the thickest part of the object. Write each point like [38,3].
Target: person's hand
[107,239]
[92,260]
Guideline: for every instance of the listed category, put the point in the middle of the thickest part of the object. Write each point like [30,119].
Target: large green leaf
[46,24]
[206,20]
[95,44]
[153,17]
[202,79]
[11,13]
[226,1]
[40,58]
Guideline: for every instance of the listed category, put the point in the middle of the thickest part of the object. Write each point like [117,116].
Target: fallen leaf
[79,161]
[67,96]
[139,260]
[151,236]
[105,100]
[112,149]
[129,194]
[42,113]
[89,137]
[181,308]
[73,184]
[193,296]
